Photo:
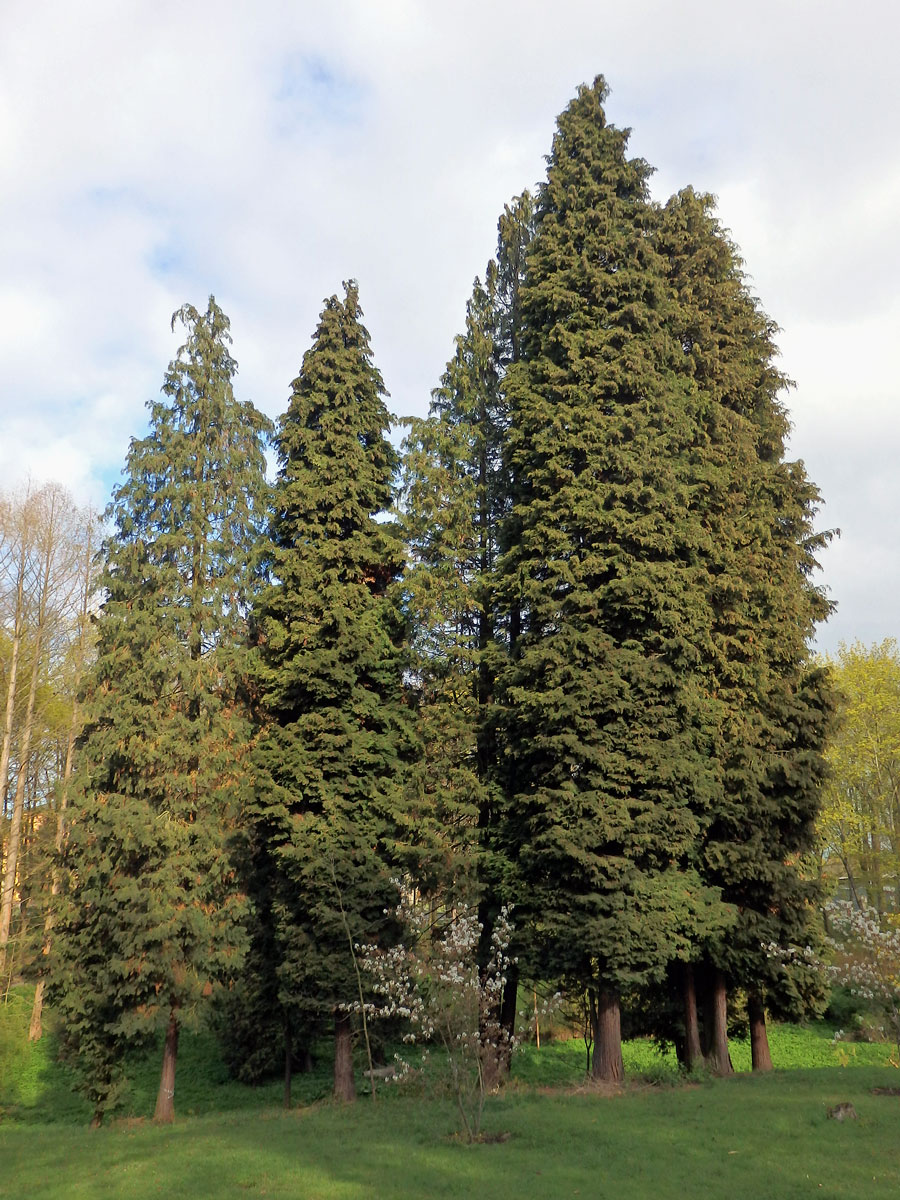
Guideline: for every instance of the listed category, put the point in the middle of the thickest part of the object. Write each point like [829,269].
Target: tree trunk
[15,832]
[760,1057]
[35,1028]
[717,1057]
[344,1086]
[693,1051]
[48,537]
[607,1022]
[11,684]
[508,1010]
[165,1100]
[496,1044]
[288,1063]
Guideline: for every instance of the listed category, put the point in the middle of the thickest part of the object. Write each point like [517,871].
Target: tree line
[552,655]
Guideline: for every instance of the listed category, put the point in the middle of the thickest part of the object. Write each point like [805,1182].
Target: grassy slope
[750,1136]
[746,1137]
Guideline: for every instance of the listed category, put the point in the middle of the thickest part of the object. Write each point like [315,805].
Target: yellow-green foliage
[859,824]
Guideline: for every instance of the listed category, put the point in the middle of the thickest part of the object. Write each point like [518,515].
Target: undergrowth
[36,1089]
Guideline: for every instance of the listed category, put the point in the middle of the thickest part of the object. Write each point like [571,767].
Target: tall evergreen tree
[456,496]
[609,726]
[456,493]
[451,501]
[149,918]
[328,825]
[773,701]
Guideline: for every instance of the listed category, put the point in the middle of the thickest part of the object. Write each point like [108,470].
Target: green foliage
[608,727]
[327,826]
[149,920]
[455,495]
[859,825]
[608,608]
[773,703]
[15,1009]
[36,1087]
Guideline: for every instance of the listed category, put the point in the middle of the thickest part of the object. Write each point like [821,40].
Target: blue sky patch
[313,93]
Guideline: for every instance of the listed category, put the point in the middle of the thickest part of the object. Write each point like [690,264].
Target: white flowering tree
[434,983]
[867,958]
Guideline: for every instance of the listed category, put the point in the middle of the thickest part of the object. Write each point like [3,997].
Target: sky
[153,152]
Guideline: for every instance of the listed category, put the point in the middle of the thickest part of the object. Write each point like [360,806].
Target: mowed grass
[749,1136]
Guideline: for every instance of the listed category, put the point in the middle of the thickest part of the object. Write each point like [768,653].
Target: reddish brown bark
[760,1057]
[607,1021]
[693,1051]
[344,1085]
[717,1057]
[165,1099]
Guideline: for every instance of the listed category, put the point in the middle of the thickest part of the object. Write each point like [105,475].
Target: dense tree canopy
[149,918]
[328,820]
[570,670]
[772,702]
[456,496]
[609,731]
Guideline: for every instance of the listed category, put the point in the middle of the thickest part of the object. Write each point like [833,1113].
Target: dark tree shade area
[552,654]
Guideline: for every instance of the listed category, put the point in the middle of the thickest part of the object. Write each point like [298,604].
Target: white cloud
[153,151]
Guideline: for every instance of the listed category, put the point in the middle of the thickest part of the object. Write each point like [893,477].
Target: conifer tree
[773,701]
[608,725]
[328,821]
[456,496]
[149,919]
[456,493]
[452,495]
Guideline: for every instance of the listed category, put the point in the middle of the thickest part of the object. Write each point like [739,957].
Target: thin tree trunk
[288,1063]
[164,1113]
[48,536]
[344,1086]
[607,1064]
[760,1057]
[508,1017]
[12,864]
[13,673]
[497,1029]
[18,813]
[36,1028]
[717,1057]
[693,1051]
[588,1014]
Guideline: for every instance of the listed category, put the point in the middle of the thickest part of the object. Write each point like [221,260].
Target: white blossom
[434,983]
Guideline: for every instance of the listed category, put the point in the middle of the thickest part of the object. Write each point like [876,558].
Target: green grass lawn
[564,1063]
[749,1136]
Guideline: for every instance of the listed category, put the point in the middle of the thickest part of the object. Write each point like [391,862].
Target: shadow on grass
[739,1138]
